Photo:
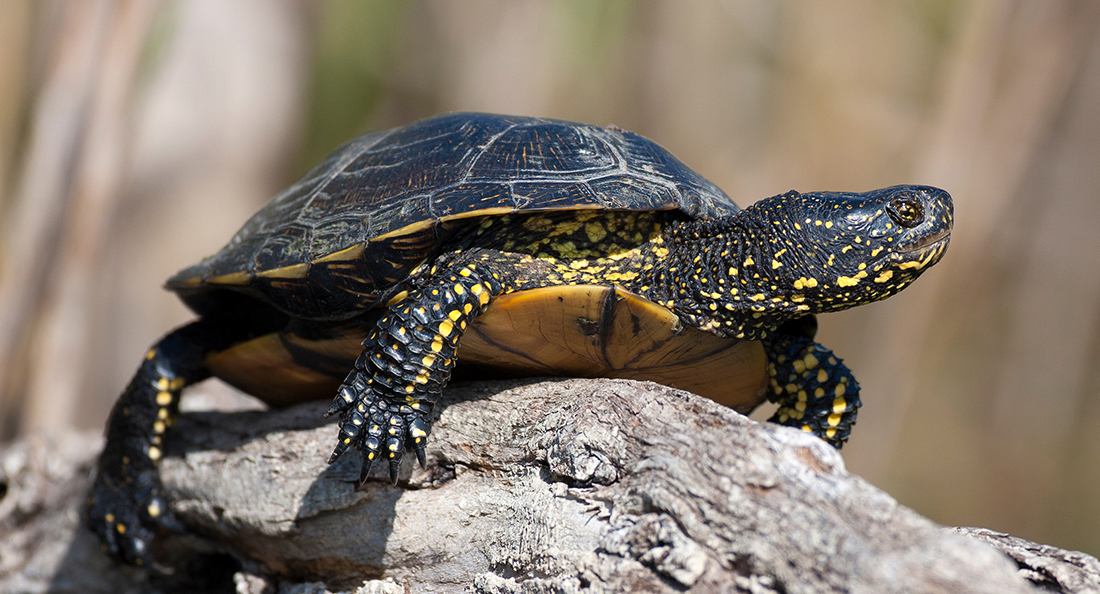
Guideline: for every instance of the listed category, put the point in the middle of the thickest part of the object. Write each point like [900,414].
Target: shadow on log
[554,486]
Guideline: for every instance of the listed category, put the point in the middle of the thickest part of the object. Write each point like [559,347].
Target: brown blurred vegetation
[135,138]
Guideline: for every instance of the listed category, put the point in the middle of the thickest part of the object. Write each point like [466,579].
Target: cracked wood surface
[553,486]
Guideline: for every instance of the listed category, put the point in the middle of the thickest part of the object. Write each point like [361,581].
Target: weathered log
[555,486]
[1054,569]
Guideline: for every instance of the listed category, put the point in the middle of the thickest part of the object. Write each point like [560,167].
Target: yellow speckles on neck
[621,276]
[851,281]
[606,249]
[885,276]
[749,261]
[595,231]
[805,283]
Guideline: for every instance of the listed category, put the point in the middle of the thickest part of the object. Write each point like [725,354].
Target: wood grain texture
[552,486]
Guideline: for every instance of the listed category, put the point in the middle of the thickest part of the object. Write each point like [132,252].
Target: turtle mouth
[939,238]
[921,255]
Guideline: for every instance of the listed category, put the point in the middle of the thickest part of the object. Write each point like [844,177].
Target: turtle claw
[397,452]
[421,456]
[344,398]
[395,469]
[338,451]
[364,470]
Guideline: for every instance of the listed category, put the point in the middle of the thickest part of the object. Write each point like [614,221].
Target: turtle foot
[816,392]
[127,515]
[378,428]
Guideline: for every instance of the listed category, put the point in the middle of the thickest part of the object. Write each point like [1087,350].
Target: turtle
[482,245]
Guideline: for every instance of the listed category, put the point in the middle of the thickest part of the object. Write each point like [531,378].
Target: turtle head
[795,254]
[849,249]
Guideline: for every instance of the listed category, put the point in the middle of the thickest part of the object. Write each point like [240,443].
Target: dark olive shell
[379,205]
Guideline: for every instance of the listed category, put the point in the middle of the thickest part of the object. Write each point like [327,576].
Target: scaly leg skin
[815,390]
[125,507]
[386,402]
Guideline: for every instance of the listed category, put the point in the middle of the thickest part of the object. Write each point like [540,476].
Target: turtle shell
[355,225]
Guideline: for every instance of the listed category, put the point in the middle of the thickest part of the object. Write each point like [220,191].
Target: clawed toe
[127,522]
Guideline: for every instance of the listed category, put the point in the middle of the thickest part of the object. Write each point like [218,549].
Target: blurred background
[136,137]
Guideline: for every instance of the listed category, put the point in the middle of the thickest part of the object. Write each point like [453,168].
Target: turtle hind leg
[815,391]
[387,401]
[126,508]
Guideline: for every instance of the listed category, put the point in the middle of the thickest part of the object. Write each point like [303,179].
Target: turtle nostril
[906,211]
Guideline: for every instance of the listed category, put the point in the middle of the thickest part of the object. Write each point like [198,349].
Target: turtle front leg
[816,392]
[386,402]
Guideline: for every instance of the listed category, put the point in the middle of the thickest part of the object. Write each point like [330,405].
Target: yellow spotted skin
[571,248]
[815,391]
[125,507]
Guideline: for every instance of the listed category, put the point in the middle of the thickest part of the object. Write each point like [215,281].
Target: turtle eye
[906,211]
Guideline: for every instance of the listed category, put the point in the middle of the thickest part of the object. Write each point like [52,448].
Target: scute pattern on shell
[454,165]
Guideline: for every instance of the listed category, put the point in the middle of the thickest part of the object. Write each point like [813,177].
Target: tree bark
[552,486]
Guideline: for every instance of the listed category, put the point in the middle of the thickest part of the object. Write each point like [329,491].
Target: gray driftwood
[562,486]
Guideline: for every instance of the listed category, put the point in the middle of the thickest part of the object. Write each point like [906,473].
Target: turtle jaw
[917,249]
[918,258]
